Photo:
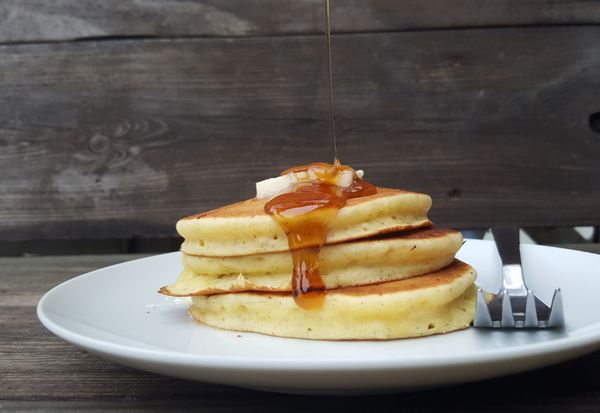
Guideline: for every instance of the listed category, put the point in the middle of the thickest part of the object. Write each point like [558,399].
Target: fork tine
[482,312]
[531,319]
[507,315]
[557,316]
[529,311]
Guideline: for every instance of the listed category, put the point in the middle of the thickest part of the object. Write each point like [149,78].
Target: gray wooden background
[119,117]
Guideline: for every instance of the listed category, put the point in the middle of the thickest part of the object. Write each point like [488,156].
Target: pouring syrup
[313,202]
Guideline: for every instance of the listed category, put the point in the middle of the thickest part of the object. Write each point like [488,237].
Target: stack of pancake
[388,272]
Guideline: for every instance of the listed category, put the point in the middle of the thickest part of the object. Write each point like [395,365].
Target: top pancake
[245,229]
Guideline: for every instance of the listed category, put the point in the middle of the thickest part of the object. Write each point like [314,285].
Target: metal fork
[515,306]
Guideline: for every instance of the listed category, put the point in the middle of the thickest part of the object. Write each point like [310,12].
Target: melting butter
[282,184]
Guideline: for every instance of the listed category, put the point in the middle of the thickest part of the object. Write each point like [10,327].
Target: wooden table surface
[41,372]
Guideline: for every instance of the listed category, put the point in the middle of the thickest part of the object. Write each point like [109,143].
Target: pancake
[357,263]
[367,261]
[434,303]
[245,229]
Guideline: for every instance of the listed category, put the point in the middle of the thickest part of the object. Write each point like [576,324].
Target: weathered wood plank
[58,20]
[40,372]
[121,138]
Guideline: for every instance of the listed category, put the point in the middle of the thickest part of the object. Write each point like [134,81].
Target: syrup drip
[304,215]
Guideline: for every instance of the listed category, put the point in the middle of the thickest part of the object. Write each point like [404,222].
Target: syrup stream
[336,159]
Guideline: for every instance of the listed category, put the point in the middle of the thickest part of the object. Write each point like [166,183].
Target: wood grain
[122,138]
[40,372]
[60,20]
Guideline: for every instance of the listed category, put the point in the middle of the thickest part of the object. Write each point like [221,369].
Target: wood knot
[594,121]
[454,192]
[100,144]
[456,61]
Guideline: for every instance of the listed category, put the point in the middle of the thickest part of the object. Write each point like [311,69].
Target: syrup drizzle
[304,214]
[314,201]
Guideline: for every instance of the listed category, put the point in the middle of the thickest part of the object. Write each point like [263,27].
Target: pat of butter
[273,186]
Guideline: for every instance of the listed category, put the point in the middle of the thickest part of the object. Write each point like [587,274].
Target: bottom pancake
[434,303]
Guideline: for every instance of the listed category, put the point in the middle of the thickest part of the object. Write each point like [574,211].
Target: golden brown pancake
[245,229]
[366,261]
[434,303]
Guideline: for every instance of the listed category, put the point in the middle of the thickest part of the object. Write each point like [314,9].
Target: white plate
[116,313]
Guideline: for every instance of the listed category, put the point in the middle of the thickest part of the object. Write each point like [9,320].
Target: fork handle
[507,242]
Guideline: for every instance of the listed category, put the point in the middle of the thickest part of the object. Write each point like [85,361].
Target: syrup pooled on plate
[304,214]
